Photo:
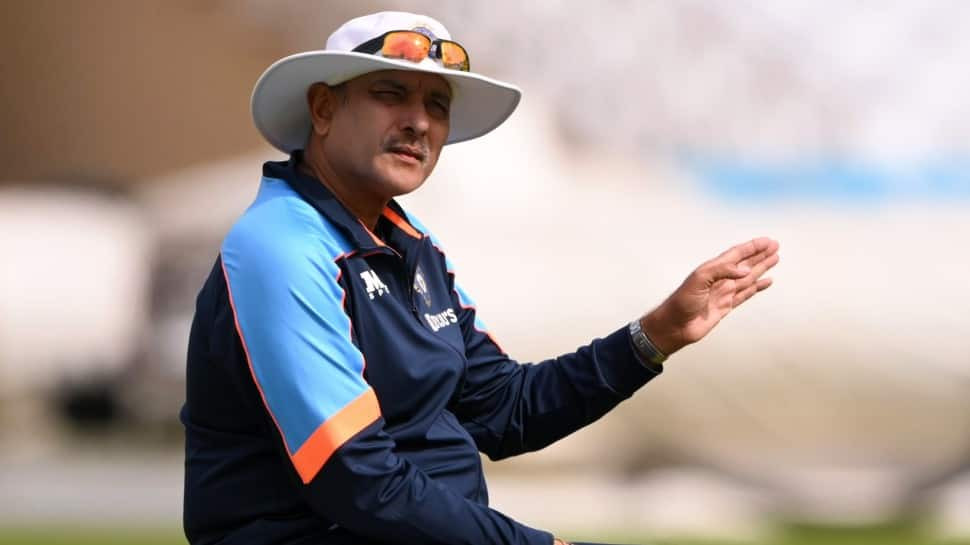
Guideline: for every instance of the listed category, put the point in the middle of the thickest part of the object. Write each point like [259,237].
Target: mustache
[418,148]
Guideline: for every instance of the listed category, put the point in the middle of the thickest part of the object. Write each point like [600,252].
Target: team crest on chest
[421,287]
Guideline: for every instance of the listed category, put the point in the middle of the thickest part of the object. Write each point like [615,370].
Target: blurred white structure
[74,285]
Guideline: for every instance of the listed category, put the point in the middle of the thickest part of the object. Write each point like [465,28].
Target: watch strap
[646,350]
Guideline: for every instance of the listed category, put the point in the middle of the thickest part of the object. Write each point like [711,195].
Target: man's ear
[322,101]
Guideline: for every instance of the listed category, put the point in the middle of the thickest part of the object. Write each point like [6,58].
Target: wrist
[664,337]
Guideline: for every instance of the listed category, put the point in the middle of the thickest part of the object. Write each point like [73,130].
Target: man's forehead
[409,79]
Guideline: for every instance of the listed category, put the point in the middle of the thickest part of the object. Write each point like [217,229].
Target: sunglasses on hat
[414,46]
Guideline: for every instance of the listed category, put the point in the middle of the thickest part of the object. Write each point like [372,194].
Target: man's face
[388,129]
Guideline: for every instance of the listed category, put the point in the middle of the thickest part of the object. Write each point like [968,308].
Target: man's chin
[400,184]
[393,177]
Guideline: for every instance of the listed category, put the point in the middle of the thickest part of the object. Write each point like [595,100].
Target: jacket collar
[324,201]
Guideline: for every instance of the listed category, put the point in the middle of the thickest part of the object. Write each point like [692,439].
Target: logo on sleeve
[374,285]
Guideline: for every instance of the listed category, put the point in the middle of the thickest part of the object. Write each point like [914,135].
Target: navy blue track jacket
[340,385]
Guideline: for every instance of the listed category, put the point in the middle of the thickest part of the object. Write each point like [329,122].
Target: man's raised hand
[709,293]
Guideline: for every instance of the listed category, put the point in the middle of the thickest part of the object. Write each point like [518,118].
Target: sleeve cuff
[621,366]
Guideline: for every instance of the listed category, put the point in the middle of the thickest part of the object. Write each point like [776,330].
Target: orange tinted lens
[454,56]
[410,46]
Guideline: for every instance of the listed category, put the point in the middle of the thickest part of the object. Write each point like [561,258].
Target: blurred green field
[62,535]
[790,534]
[895,533]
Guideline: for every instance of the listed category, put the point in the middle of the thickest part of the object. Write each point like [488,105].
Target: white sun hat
[280,112]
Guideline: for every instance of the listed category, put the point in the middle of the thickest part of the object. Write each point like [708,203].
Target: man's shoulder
[280,223]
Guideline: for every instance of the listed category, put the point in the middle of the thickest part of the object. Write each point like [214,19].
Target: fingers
[760,263]
[747,293]
[760,256]
[759,269]
[745,250]
[741,260]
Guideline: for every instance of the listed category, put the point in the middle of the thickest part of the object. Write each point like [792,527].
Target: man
[340,383]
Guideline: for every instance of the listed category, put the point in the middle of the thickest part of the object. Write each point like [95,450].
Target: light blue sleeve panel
[282,276]
[464,299]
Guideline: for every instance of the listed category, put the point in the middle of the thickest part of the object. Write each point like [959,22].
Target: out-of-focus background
[834,408]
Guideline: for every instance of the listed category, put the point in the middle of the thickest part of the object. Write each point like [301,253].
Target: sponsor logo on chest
[443,319]
[375,288]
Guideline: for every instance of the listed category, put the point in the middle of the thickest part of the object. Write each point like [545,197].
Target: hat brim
[280,111]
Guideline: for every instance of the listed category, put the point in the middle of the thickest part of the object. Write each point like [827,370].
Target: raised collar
[323,200]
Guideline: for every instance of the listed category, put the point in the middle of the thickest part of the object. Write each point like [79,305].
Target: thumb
[712,272]
[731,270]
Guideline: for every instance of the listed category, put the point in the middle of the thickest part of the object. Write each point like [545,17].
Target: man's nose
[414,118]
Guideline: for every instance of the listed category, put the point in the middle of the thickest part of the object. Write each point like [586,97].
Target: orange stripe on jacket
[332,434]
[401,223]
[373,237]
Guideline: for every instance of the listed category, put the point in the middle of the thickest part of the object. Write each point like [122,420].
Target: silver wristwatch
[646,350]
